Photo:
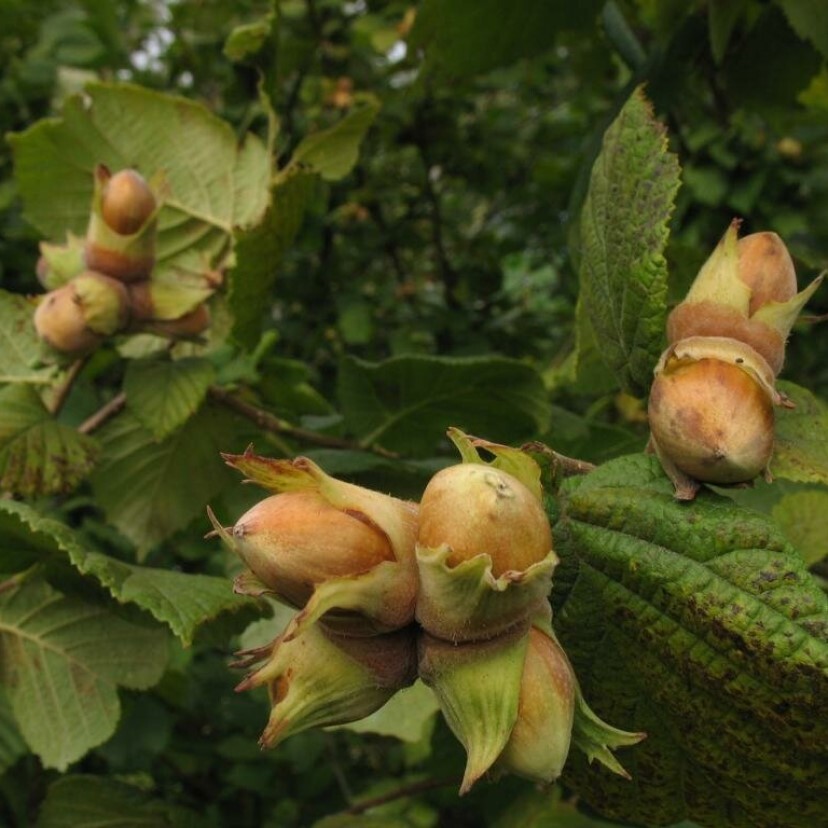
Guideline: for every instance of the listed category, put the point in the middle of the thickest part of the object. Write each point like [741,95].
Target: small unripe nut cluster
[105,286]
[711,408]
[453,590]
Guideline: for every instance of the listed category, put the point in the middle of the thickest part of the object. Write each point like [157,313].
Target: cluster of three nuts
[453,590]
[105,285]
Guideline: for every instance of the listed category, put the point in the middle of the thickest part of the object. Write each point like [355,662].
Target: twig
[569,466]
[407,790]
[104,413]
[269,422]
[68,383]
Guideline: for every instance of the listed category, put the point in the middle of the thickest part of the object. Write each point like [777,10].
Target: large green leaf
[772,63]
[163,394]
[409,715]
[216,184]
[546,809]
[623,235]
[329,154]
[809,19]
[465,37]
[259,251]
[699,624]
[62,661]
[801,449]
[802,517]
[19,346]
[332,153]
[182,601]
[12,746]
[98,802]
[150,489]
[406,403]
[39,455]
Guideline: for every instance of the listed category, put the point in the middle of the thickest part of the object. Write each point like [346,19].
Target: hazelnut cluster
[104,286]
[452,590]
[711,407]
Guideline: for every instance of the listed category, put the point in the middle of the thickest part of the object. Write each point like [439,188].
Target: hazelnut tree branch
[269,422]
[104,413]
[400,793]
[63,392]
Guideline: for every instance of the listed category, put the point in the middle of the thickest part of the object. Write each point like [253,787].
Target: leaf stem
[104,413]
[269,422]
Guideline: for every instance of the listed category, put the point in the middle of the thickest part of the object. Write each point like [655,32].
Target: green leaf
[722,17]
[62,661]
[801,516]
[406,403]
[163,394]
[12,746]
[771,65]
[39,455]
[333,152]
[466,37]
[801,449]
[97,802]
[408,716]
[259,252]
[809,19]
[329,154]
[546,809]
[699,624]
[247,39]
[151,489]
[19,346]
[216,184]
[182,601]
[624,230]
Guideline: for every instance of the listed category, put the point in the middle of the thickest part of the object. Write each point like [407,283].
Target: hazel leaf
[332,153]
[409,716]
[184,602]
[39,455]
[259,250]
[60,678]
[12,746]
[624,230]
[20,347]
[467,37]
[78,801]
[163,394]
[698,624]
[801,449]
[406,403]
[147,487]
[801,516]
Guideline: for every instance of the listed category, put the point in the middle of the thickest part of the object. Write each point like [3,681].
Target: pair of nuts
[711,407]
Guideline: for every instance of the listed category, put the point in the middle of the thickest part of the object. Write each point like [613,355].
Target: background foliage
[394,196]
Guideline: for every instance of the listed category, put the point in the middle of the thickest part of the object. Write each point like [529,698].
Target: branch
[104,413]
[68,383]
[407,790]
[568,466]
[269,422]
